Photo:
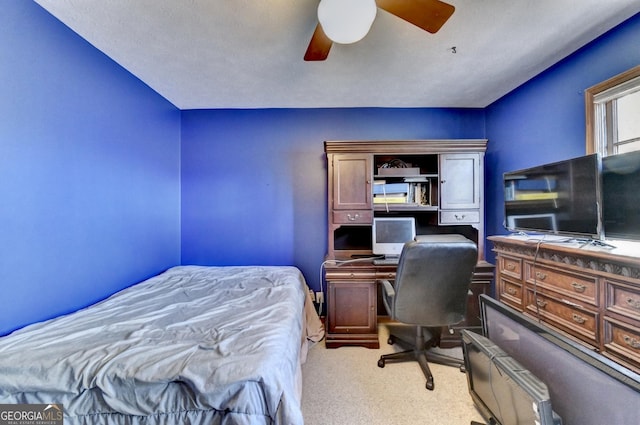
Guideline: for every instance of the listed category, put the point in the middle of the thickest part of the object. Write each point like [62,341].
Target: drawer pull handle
[631,342]
[511,266]
[635,304]
[541,275]
[541,304]
[459,217]
[578,287]
[512,291]
[578,319]
[572,304]
[353,217]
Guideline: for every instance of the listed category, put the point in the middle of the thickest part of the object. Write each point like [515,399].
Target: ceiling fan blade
[319,46]
[430,15]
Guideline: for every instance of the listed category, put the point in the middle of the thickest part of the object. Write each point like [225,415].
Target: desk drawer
[350,275]
[353,217]
[459,217]
[582,288]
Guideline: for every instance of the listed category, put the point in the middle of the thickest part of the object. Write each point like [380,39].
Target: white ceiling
[249,53]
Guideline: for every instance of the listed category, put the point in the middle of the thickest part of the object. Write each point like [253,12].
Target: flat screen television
[586,387]
[504,391]
[389,234]
[621,196]
[560,198]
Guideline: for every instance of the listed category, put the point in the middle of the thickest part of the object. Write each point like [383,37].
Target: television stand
[591,293]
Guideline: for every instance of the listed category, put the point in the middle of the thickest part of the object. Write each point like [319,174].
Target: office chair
[429,293]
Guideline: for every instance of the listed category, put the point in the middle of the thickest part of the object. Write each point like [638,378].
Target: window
[613,112]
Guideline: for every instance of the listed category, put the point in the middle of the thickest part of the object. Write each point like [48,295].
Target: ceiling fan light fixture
[346,21]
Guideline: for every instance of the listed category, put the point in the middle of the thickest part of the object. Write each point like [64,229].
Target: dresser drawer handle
[541,275]
[541,304]
[511,266]
[631,342]
[353,217]
[578,287]
[578,319]
[512,291]
[459,217]
[635,304]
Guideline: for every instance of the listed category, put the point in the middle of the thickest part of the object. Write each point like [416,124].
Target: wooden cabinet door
[352,307]
[460,183]
[352,179]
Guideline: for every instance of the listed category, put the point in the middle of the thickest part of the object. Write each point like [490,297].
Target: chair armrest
[388,288]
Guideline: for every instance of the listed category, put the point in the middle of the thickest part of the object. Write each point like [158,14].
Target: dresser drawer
[511,266]
[353,217]
[582,288]
[622,340]
[570,317]
[459,217]
[510,292]
[623,299]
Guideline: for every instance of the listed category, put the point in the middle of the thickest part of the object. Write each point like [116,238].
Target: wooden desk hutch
[451,181]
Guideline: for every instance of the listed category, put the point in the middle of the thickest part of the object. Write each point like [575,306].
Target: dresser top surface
[616,250]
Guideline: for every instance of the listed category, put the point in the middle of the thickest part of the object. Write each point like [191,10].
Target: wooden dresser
[590,293]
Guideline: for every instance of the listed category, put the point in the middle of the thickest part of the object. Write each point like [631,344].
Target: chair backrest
[432,280]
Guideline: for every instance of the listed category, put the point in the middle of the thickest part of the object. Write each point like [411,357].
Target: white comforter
[192,345]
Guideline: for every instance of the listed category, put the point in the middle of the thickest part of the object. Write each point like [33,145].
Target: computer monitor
[389,234]
[503,390]
[586,387]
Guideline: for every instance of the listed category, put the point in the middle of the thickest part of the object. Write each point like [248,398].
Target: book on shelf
[382,187]
[390,199]
[414,190]
[535,196]
[420,193]
[416,179]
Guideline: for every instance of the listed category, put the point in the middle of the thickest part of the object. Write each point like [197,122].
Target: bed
[193,345]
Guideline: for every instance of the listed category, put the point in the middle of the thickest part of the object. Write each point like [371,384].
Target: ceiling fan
[348,21]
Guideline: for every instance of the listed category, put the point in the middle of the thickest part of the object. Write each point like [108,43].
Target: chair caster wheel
[430,385]
[381,363]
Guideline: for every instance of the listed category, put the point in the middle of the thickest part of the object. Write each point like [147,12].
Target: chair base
[421,353]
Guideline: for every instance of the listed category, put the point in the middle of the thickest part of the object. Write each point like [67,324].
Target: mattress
[193,345]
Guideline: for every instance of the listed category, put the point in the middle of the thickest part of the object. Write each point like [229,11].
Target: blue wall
[544,120]
[89,171]
[254,182]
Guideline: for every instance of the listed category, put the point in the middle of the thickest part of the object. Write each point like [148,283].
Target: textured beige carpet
[344,386]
